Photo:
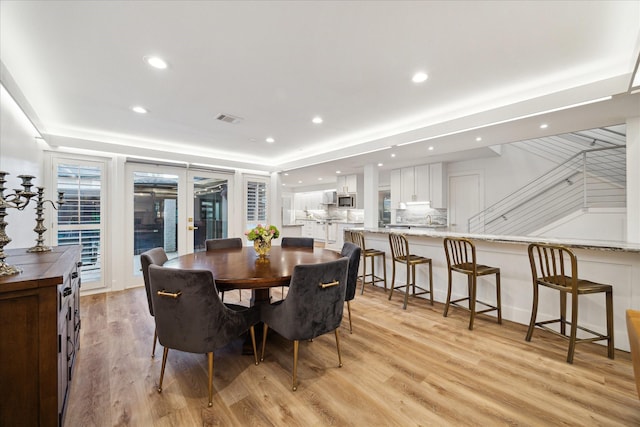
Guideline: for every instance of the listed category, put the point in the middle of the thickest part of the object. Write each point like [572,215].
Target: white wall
[504,174]
[20,154]
[594,224]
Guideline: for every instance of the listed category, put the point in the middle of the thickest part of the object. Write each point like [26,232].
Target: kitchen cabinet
[437,182]
[347,184]
[320,232]
[40,335]
[311,200]
[418,184]
[335,242]
[415,184]
[395,181]
[308,229]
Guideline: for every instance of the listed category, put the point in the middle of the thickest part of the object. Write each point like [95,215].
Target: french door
[173,208]
[208,215]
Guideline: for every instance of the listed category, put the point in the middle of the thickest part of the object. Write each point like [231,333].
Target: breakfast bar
[614,263]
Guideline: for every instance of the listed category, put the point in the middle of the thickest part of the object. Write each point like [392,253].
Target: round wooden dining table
[241,268]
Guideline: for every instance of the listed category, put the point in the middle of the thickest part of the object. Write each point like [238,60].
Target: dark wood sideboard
[39,335]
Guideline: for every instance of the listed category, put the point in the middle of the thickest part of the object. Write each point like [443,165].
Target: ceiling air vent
[227,118]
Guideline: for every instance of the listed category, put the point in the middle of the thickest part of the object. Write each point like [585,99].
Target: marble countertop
[571,243]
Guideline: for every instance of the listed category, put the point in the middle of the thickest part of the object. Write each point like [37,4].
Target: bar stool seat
[400,253]
[556,267]
[461,257]
[357,237]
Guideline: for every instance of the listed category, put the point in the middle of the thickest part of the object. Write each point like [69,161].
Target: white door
[208,215]
[155,213]
[465,200]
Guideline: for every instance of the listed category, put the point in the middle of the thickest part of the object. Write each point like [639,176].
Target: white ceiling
[77,68]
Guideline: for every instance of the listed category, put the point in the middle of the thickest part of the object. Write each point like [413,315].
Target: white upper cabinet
[347,184]
[421,183]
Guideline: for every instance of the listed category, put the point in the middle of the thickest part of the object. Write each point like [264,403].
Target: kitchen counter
[571,243]
[614,263]
[409,226]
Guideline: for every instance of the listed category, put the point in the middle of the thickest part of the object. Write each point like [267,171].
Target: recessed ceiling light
[139,109]
[156,62]
[419,77]
[299,182]
[544,126]
[320,179]
[478,139]
[270,140]
[286,174]
[393,154]
[317,120]
[430,148]
[283,184]
[379,164]
[338,172]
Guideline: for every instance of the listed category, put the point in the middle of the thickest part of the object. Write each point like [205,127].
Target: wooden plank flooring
[401,368]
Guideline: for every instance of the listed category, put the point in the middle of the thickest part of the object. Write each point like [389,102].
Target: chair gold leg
[384,271]
[472,300]
[499,298]
[264,340]
[155,338]
[446,305]
[349,311]
[393,279]
[210,360]
[252,332]
[574,329]
[407,287]
[534,312]
[364,274]
[430,282]
[338,347]
[294,384]
[609,307]
[164,362]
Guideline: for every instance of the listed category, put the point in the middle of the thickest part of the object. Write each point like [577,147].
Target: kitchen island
[615,263]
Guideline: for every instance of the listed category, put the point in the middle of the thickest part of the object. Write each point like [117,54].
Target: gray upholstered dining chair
[155,256]
[226,243]
[313,306]
[231,242]
[351,251]
[191,317]
[297,242]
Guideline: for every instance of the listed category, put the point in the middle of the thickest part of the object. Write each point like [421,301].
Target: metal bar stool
[357,237]
[400,253]
[461,257]
[556,267]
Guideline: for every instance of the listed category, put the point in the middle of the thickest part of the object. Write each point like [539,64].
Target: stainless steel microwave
[347,201]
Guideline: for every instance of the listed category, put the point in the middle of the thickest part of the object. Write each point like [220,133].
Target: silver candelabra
[19,200]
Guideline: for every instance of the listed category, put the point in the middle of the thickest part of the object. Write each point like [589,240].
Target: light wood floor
[402,368]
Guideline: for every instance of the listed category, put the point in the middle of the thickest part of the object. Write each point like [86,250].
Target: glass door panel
[155,214]
[210,216]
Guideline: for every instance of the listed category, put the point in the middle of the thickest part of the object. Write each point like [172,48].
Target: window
[256,202]
[80,218]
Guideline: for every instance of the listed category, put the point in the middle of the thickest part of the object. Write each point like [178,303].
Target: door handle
[191,227]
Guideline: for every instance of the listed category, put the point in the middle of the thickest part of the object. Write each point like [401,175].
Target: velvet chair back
[155,256]
[310,310]
[351,251]
[195,320]
[297,242]
[231,242]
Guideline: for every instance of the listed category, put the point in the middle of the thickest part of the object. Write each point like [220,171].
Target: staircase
[590,178]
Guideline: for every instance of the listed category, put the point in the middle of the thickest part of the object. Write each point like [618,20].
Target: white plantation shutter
[256,202]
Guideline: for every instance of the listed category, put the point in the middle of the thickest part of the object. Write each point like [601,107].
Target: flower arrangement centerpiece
[262,236]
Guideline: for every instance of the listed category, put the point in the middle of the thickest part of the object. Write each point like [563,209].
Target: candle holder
[18,200]
[40,228]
